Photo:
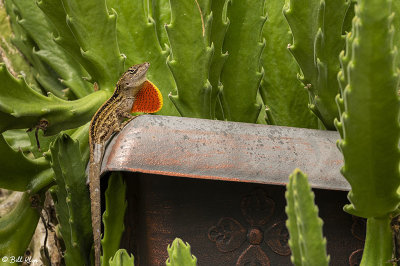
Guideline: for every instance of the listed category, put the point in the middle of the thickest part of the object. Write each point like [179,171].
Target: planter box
[219,186]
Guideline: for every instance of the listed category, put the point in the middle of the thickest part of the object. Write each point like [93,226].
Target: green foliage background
[53,54]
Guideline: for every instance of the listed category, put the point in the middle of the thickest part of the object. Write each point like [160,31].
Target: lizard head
[134,77]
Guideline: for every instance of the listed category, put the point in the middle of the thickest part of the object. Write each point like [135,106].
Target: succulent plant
[305,227]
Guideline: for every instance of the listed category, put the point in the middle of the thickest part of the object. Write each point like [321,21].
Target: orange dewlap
[148,99]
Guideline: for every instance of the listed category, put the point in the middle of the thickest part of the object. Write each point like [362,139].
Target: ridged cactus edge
[191,54]
[71,200]
[240,85]
[317,27]
[306,241]
[122,258]
[369,125]
[179,254]
[113,217]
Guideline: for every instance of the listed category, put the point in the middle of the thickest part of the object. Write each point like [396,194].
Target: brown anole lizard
[133,93]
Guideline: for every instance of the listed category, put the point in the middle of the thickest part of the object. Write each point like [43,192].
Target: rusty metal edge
[227,151]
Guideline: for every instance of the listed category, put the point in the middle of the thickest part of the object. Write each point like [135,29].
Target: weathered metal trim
[230,151]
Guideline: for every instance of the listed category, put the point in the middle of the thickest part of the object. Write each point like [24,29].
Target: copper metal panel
[210,149]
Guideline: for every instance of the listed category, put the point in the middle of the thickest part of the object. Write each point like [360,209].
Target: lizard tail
[94,176]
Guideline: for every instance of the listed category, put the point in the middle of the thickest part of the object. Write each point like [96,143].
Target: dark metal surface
[209,149]
[227,223]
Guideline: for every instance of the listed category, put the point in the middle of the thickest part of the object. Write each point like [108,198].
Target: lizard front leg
[124,114]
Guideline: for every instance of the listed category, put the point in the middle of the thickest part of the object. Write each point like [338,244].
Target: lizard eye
[132,71]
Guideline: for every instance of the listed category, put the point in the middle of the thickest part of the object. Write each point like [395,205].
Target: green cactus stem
[42,73]
[18,139]
[122,258]
[24,173]
[62,34]
[17,228]
[396,24]
[9,54]
[21,173]
[71,198]
[113,217]
[343,79]
[220,25]
[306,242]
[161,13]
[22,107]
[38,27]
[281,91]
[180,255]
[240,85]
[317,41]
[378,243]
[81,135]
[191,55]
[370,103]
[301,16]
[94,29]
[347,23]
[369,124]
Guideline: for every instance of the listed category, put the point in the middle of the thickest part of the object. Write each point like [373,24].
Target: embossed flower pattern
[257,209]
